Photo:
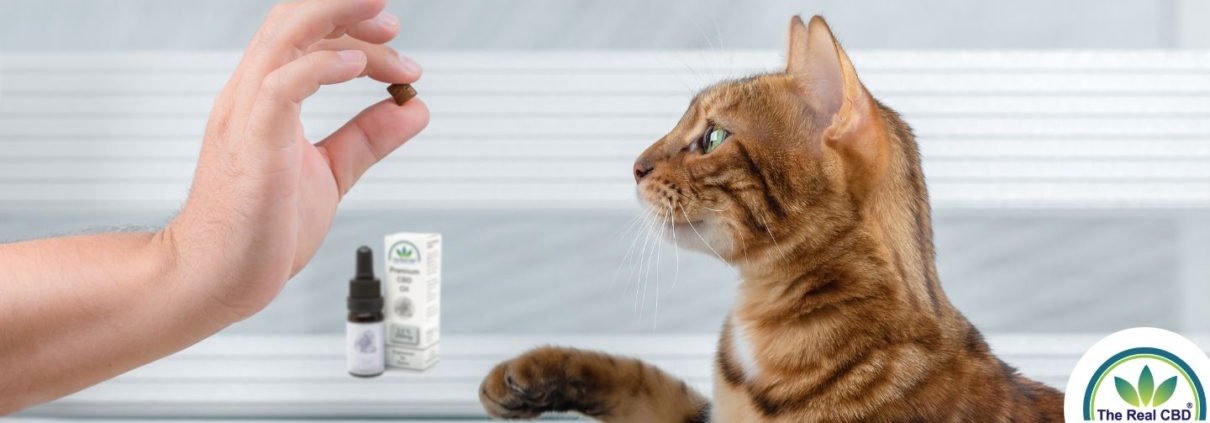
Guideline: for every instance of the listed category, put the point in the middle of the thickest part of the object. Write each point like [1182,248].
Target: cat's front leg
[601,386]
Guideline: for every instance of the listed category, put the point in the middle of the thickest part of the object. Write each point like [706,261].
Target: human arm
[78,310]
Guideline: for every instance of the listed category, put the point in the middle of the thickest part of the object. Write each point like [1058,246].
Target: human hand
[263,197]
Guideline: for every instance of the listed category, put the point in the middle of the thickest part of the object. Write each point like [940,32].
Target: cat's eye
[713,138]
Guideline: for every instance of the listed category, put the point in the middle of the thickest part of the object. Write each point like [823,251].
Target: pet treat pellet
[401,93]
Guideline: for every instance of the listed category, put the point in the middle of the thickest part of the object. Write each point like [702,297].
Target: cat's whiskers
[640,224]
[630,225]
[722,47]
[701,57]
[697,78]
[640,254]
[698,82]
[688,89]
[742,242]
[699,234]
[640,293]
[703,33]
[699,203]
[656,249]
[637,271]
[780,251]
[635,224]
[676,248]
[656,313]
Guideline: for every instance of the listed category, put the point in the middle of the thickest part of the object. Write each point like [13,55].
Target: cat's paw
[541,380]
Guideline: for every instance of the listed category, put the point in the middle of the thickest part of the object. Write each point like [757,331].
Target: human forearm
[76,311]
[79,310]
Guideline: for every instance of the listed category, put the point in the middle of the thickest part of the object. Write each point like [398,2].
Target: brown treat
[401,92]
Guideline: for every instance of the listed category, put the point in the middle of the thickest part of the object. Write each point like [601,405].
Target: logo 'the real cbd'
[1140,374]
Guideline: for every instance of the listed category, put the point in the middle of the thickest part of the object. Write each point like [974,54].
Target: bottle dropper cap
[365,290]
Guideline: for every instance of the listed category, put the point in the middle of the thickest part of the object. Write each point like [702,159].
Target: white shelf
[303,376]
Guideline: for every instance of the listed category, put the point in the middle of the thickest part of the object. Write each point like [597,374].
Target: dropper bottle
[364,333]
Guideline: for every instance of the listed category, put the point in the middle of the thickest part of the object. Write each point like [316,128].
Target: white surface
[1015,130]
[1194,274]
[75,25]
[1190,26]
[285,377]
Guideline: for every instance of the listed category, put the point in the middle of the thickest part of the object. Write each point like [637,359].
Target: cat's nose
[640,170]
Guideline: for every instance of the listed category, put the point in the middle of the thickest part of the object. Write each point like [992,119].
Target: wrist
[187,282]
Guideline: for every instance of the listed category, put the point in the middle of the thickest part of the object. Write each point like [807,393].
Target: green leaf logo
[1147,393]
[1146,386]
[1126,391]
[1164,392]
[403,253]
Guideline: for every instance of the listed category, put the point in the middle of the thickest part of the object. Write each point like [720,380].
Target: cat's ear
[814,60]
[828,82]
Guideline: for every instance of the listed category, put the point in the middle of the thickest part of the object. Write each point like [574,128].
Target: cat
[813,190]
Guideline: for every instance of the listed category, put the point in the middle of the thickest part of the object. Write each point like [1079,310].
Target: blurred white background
[112,25]
[550,271]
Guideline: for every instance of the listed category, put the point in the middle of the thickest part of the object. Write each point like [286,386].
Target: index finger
[292,27]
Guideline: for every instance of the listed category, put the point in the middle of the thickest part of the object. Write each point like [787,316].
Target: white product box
[413,299]
[411,358]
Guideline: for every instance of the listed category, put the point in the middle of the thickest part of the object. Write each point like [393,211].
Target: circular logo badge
[1140,374]
[403,308]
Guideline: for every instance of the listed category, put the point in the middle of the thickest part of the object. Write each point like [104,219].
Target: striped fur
[818,198]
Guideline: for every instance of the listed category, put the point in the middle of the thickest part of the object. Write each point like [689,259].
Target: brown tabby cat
[813,190]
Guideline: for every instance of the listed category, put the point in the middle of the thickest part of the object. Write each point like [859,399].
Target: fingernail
[409,65]
[387,19]
[350,55]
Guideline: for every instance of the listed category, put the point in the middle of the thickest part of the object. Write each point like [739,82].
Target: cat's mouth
[679,224]
[672,215]
[685,226]
[665,201]
[681,220]
[698,235]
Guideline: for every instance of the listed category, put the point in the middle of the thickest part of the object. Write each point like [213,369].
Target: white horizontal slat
[1166,61]
[997,129]
[669,105]
[411,169]
[424,147]
[70,153]
[1061,126]
[71,149]
[671,83]
[642,126]
[420,170]
[1049,195]
[1061,171]
[295,376]
[1065,149]
[915,105]
[103,128]
[368,195]
[1128,195]
[485,126]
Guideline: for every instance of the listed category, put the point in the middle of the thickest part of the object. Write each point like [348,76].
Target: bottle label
[365,349]
[404,335]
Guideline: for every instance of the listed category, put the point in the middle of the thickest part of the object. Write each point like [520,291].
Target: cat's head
[775,161]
